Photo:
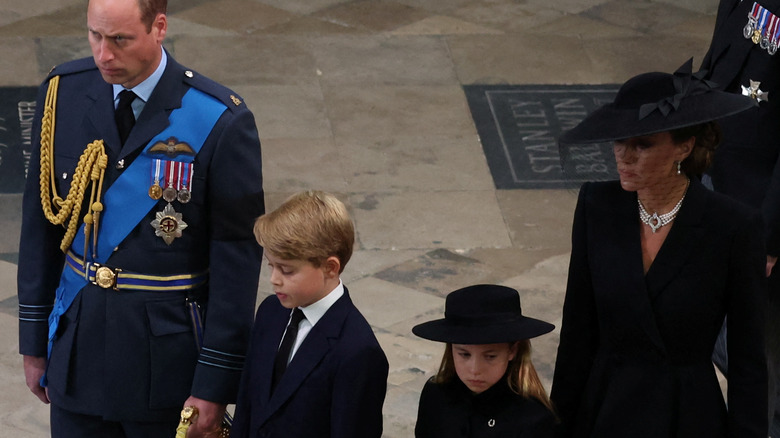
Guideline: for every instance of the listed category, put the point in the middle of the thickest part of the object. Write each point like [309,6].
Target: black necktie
[125,119]
[280,362]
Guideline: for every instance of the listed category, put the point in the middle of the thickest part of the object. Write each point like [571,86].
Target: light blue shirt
[144,89]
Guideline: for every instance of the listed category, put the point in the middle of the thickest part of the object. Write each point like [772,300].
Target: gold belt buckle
[105,277]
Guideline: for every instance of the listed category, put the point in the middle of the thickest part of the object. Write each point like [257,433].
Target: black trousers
[66,424]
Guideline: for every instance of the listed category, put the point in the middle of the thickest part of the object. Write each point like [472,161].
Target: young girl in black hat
[657,262]
[486,385]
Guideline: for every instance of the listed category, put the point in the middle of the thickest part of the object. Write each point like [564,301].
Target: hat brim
[442,330]
[610,123]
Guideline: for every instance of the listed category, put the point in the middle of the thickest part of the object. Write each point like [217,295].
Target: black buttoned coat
[634,355]
[451,410]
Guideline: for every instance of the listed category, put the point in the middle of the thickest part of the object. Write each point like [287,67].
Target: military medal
[185,171]
[754,92]
[750,27]
[764,44]
[759,27]
[155,191]
[168,224]
[771,35]
[169,192]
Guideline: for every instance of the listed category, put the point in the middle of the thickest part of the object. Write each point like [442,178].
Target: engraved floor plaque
[17,109]
[519,126]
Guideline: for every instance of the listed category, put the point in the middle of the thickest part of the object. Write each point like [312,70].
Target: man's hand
[34,367]
[770,263]
[209,418]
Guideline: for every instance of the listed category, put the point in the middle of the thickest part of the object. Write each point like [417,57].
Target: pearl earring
[678,167]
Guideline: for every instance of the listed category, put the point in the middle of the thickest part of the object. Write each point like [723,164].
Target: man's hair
[150,9]
[311,226]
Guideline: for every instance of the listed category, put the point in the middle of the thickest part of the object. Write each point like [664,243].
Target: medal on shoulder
[168,224]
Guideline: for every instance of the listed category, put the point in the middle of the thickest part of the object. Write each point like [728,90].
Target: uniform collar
[144,89]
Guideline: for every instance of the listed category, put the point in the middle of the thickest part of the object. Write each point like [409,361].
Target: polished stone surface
[364,99]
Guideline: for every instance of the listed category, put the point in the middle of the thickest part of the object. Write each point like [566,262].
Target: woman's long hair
[521,376]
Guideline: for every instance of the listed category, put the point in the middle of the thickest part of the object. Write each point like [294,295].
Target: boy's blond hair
[311,226]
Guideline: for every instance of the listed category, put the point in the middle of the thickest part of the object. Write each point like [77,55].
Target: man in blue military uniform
[742,58]
[138,205]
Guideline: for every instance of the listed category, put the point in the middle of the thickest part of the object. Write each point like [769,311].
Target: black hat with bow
[482,314]
[656,102]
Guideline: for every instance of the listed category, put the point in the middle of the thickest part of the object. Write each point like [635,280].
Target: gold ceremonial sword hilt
[187,415]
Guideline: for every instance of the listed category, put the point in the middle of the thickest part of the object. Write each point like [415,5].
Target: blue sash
[127,201]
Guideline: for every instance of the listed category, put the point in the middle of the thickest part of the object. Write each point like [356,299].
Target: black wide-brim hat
[656,102]
[482,314]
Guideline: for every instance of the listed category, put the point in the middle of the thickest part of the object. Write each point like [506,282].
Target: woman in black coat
[486,385]
[657,262]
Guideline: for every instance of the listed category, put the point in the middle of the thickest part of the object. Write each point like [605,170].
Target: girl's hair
[521,376]
[708,136]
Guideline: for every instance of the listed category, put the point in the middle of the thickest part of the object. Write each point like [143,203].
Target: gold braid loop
[90,169]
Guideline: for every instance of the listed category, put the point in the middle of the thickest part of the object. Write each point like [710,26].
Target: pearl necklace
[656,221]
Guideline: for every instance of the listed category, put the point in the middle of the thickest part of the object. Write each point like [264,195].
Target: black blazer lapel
[154,118]
[309,355]
[680,244]
[619,261]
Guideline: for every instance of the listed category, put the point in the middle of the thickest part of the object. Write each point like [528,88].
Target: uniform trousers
[66,424]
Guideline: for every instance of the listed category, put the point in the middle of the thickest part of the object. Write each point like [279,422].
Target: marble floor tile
[303,6]
[16,10]
[413,220]
[538,219]
[409,163]
[443,25]
[240,16]
[520,59]
[53,51]
[10,224]
[400,303]
[249,60]
[23,66]
[642,16]
[64,20]
[665,54]
[384,60]
[287,111]
[302,164]
[507,15]
[404,110]
[373,16]
[311,26]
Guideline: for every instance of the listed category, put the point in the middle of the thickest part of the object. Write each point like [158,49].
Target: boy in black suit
[314,366]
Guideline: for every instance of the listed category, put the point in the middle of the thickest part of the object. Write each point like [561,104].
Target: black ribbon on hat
[686,84]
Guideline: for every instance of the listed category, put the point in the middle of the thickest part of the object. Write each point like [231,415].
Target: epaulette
[71,67]
[220,92]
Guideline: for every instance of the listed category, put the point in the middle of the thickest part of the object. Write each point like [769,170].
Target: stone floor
[364,99]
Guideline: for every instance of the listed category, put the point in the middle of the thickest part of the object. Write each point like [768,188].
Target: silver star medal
[168,224]
[754,92]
